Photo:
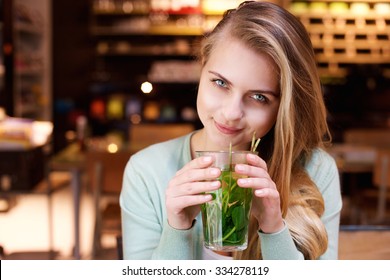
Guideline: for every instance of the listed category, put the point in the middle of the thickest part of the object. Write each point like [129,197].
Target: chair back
[382,168]
[143,135]
[381,180]
[379,138]
[105,174]
[105,170]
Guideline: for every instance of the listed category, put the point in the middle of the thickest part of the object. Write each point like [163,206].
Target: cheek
[202,105]
[206,101]
[262,121]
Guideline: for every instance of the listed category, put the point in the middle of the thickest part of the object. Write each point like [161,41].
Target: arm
[331,192]
[280,245]
[146,234]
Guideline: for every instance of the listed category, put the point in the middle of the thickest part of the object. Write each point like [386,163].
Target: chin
[218,140]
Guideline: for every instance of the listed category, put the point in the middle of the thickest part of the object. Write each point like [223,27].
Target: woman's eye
[259,98]
[219,82]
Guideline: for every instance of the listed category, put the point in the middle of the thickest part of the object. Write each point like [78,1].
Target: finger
[266,193]
[196,175]
[197,163]
[251,171]
[256,183]
[193,188]
[187,201]
[255,160]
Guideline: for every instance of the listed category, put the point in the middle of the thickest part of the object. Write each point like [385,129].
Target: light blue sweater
[147,235]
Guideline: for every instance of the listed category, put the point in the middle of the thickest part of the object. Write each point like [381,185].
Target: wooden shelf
[350,29]
[145,52]
[29,71]
[176,31]
[119,13]
[28,28]
[150,31]
[346,37]
[27,59]
[339,37]
[353,58]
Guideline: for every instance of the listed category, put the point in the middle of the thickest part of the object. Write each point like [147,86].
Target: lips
[227,129]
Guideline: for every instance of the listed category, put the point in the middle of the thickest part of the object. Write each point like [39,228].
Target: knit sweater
[147,234]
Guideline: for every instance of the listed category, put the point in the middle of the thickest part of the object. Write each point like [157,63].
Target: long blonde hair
[301,123]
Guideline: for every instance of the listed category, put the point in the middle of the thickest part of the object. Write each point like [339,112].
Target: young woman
[259,75]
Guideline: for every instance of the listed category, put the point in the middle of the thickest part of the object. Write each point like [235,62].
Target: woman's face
[238,95]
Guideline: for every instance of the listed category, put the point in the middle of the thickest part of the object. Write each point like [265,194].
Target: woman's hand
[266,199]
[185,191]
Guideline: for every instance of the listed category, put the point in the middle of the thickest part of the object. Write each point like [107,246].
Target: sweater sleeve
[175,244]
[141,228]
[279,246]
[331,192]
[145,232]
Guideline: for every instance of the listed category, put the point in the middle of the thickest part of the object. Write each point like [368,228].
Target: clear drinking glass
[226,218]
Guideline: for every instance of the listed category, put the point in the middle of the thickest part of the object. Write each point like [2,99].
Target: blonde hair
[301,123]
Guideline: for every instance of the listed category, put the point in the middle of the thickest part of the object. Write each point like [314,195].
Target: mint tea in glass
[226,218]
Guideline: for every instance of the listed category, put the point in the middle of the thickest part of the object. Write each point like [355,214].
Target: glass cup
[226,218]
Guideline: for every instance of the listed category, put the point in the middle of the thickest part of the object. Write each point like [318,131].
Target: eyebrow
[276,94]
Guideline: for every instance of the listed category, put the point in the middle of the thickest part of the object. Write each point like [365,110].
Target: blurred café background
[85,84]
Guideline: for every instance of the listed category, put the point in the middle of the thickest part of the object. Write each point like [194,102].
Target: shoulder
[321,167]
[151,169]
[174,150]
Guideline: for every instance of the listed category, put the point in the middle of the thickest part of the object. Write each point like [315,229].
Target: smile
[227,129]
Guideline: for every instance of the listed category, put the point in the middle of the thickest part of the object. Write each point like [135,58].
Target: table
[72,159]
[364,242]
[354,159]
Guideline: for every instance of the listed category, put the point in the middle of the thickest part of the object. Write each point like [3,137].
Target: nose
[233,108]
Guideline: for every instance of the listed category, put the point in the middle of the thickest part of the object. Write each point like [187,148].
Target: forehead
[237,62]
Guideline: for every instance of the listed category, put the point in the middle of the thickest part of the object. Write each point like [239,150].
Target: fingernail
[242,181]
[214,172]
[239,167]
[251,156]
[215,184]
[207,159]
